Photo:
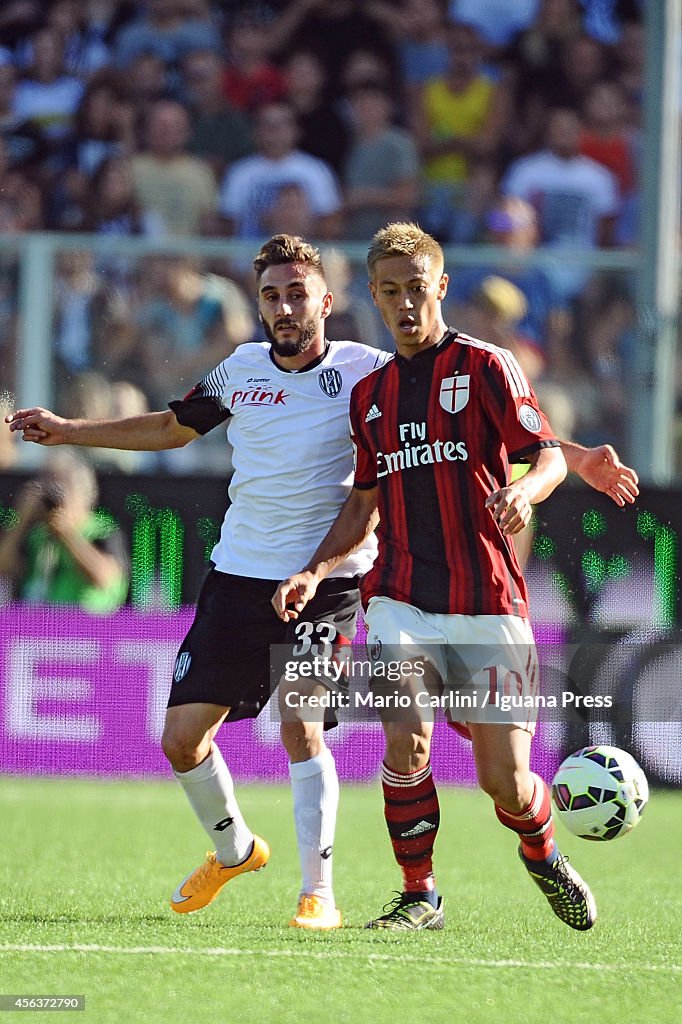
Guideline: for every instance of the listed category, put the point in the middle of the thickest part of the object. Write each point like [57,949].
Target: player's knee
[182,750]
[408,746]
[510,790]
[302,740]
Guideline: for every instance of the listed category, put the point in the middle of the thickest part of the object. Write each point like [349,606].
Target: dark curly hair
[288,249]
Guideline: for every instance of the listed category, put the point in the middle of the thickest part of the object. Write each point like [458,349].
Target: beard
[307,332]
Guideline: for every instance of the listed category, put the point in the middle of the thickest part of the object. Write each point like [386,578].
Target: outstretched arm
[356,520]
[602,469]
[152,432]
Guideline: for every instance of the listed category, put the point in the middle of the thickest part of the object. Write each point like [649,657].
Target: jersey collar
[427,354]
[307,367]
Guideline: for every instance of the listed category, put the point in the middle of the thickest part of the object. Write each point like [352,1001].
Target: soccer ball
[600,793]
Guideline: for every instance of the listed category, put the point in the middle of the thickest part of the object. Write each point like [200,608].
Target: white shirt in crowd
[252,186]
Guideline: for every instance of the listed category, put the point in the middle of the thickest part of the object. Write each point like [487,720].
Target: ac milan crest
[454,393]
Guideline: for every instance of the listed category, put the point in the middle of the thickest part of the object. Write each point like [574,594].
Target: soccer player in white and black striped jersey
[285,403]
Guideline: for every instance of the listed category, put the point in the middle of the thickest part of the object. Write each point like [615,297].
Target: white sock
[210,791]
[315,788]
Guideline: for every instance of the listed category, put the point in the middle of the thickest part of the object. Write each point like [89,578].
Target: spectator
[607,139]
[103,127]
[179,187]
[251,186]
[494,311]
[546,322]
[111,207]
[188,323]
[22,200]
[603,19]
[324,133]
[250,80]
[146,81]
[169,30]
[382,169]
[464,117]
[498,22]
[575,198]
[221,134]
[419,31]
[354,315]
[290,213]
[332,29]
[25,141]
[84,29]
[103,124]
[75,286]
[365,67]
[60,551]
[18,20]
[48,97]
[583,62]
[92,326]
[531,63]
[630,55]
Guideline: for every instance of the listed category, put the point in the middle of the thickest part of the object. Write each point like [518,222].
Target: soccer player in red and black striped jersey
[435,431]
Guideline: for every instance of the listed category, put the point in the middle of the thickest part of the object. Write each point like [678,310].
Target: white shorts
[487,664]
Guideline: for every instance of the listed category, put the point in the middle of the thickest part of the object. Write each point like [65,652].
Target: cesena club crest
[454,393]
[330,381]
[182,663]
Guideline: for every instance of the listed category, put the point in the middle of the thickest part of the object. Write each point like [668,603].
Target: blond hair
[282,249]
[402,239]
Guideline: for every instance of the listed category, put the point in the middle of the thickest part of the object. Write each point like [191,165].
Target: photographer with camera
[59,550]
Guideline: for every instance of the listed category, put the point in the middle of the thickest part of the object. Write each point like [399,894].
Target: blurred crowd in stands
[515,123]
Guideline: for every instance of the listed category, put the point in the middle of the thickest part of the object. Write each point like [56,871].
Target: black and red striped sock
[534,826]
[412,816]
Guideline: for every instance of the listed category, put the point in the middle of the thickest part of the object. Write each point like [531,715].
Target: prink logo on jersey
[258,396]
[330,381]
[417,451]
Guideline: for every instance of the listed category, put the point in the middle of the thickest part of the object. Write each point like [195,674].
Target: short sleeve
[511,404]
[203,408]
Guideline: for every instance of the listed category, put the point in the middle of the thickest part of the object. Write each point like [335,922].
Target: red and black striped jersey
[436,433]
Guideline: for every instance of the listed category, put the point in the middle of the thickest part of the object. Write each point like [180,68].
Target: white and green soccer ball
[600,793]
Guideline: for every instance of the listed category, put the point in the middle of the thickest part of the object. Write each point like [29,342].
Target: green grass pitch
[87,867]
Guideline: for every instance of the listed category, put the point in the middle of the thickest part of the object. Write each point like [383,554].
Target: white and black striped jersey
[292,455]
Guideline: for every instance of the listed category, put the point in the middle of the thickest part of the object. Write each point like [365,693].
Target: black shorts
[225,657]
